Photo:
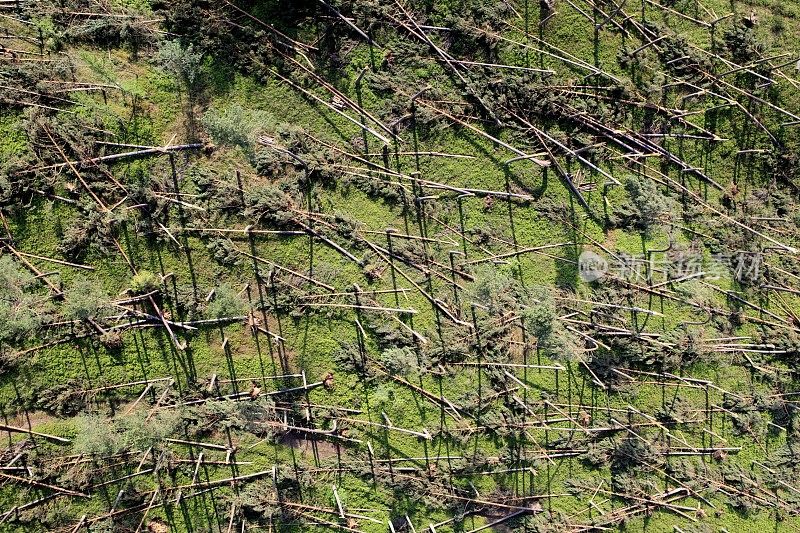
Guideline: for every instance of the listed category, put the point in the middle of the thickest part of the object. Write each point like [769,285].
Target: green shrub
[99,436]
[184,63]
[270,205]
[401,361]
[540,319]
[226,303]
[235,126]
[742,44]
[647,201]
[84,299]
[145,281]
[21,311]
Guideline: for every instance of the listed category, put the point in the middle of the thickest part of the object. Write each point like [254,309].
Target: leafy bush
[742,44]
[226,303]
[235,126]
[270,205]
[145,281]
[99,436]
[401,361]
[21,312]
[647,200]
[540,318]
[185,63]
[224,252]
[495,290]
[85,298]
[257,498]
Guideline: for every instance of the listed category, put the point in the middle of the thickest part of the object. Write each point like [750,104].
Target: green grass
[149,109]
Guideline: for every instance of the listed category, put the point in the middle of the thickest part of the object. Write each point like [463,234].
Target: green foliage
[402,361]
[226,303]
[328,166]
[647,200]
[269,205]
[145,281]
[183,62]
[540,317]
[63,399]
[678,56]
[12,277]
[51,36]
[142,6]
[84,298]
[258,498]
[126,31]
[494,289]
[383,395]
[21,311]
[136,431]
[224,252]
[93,231]
[250,416]
[689,346]
[236,126]
[15,155]
[742,44]
[540,522]
[749,423]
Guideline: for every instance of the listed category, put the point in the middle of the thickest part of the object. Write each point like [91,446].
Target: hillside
[399,265]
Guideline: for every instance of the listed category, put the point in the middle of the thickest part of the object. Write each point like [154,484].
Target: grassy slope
[312,340]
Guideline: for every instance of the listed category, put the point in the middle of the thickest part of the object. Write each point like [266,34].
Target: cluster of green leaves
[22,308]
[140,430]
